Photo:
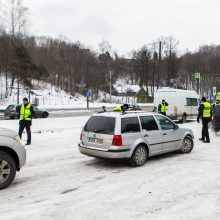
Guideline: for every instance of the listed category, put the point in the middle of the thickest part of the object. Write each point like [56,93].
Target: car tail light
[81,136]
[12,110]
[175,110]
[117,140]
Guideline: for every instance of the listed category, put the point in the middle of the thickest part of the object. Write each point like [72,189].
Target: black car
[10,112]
[216,118]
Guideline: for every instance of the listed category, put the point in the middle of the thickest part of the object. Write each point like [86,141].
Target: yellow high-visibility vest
[218,96]
[117,108]
[163,107]
[25,113]
[206,110]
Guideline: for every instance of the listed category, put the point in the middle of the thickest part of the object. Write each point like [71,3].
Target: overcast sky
[127,24]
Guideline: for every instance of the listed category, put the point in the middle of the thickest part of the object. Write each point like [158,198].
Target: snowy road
[60,183]
[58,113]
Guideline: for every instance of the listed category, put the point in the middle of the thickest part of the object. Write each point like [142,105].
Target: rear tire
[45,115]
[187,145]
[11,117]
[7,170]
[183,119]
[139,156]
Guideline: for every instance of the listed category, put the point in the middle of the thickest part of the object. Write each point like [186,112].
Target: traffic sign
[214,91]
[197,75]
[88,94]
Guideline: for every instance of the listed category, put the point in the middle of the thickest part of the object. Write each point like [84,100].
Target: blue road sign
[88,94]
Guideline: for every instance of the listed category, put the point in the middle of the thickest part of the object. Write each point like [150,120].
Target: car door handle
[164,133]
[146,135]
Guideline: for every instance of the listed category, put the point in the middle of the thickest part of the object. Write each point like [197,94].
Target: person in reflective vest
[26,113]
[205,113]
[121,108]
[117,109]
[216,103]
[162,107]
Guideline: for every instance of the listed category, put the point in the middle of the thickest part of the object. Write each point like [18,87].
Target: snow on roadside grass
[60,183]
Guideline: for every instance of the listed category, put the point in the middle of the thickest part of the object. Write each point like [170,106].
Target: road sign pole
[87,100]
[88,94]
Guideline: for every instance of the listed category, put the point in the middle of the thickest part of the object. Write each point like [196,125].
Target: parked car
[216,118]
[12,156]
[133,135]
[10,112]
[183,104]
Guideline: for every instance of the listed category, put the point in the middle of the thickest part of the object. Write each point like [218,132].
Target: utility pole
[110,89]
[18,91]
[159,66]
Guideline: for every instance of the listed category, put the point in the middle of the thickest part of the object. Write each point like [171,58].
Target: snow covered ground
[50,97]
[59,183]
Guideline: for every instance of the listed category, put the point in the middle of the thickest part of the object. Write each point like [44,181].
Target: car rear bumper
[11,114]
[104,153]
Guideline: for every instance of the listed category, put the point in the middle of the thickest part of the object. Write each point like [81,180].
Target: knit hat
[203,99]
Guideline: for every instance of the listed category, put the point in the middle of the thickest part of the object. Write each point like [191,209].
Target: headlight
[18,139]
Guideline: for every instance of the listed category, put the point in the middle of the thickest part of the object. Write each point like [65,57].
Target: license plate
[95,140]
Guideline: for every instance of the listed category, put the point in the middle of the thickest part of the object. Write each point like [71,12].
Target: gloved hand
[198,120]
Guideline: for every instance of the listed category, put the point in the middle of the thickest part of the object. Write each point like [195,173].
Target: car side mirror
[176,127]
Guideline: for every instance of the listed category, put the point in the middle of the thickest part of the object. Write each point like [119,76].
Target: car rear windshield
[217,110]
[100,124]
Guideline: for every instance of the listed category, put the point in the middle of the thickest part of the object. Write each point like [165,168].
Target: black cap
[203,99]
[25,99]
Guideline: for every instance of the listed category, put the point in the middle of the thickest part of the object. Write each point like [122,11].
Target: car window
[10,107]
[188,102]
[191,101]
[194,102]
[130,124]
[148,123]
[217,110]
[100,124]
[165,123]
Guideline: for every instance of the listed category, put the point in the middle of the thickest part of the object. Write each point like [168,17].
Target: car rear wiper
[101,130]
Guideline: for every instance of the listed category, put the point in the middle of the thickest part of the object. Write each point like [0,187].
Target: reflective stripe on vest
[25,113]
[206,110]
[163,108]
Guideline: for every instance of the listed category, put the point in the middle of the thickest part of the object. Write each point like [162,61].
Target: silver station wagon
[133,135]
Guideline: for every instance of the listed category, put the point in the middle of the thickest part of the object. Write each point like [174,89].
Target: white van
[183,104]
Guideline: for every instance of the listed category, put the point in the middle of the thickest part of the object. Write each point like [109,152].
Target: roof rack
[131,111]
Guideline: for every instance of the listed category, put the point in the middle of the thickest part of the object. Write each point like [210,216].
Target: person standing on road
[162,107]
[216,103]
[26,112]
[205,113]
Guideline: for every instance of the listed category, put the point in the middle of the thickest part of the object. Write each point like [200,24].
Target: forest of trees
[73,67]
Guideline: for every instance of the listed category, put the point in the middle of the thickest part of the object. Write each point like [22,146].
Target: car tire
[45,115]
[11,117]
[183,118]
[187,145]
[216,130]
[7,170]
[139,156]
